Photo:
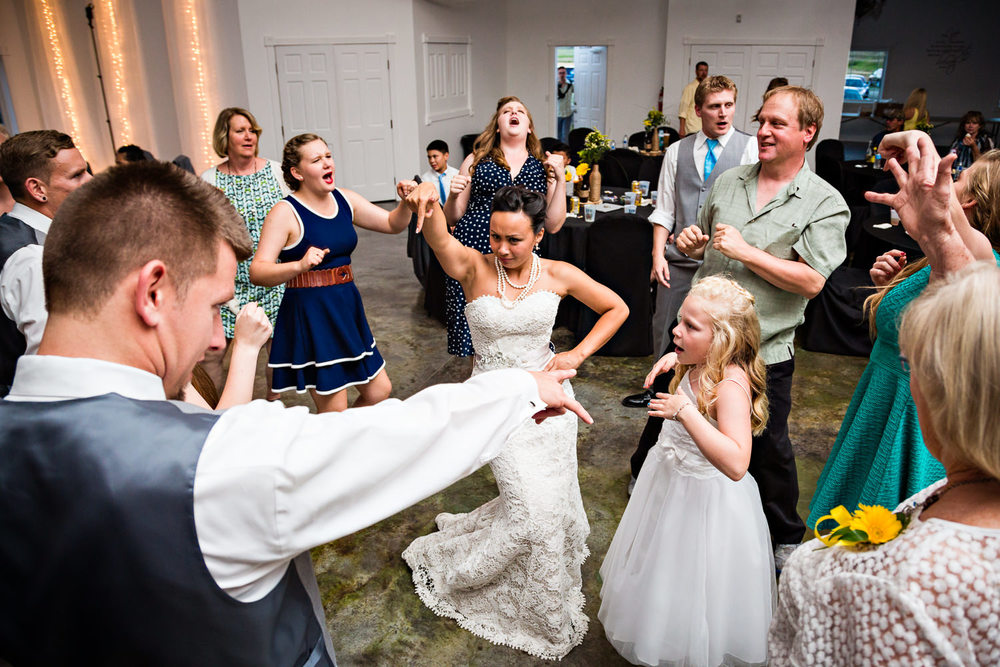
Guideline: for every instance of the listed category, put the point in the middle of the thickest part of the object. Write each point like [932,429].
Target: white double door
[590,78]
[751,67]
[341,93]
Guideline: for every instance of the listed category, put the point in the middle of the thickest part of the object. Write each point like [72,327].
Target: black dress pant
[772,462]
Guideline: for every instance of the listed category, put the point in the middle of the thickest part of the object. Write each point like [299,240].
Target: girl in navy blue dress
[322,342]
[506,153]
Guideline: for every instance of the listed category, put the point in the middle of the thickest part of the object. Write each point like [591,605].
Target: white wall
[764,22]
[484,25]
[329,20]
[634,31]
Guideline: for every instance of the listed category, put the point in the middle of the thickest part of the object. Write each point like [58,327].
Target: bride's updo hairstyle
[518,199]
[735,340]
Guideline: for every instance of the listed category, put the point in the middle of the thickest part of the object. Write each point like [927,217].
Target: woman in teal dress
[879,457]
[253,185]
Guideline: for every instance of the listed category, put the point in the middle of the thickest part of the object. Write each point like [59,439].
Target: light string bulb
[203,122]
[112,29]
[54,44]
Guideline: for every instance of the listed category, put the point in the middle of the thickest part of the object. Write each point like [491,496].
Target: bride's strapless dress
[509,571]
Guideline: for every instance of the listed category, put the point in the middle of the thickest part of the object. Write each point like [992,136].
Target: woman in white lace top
[931,595]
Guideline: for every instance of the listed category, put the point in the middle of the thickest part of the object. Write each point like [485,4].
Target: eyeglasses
[904,362]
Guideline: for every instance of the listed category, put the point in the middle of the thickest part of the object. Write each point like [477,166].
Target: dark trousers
[772,462]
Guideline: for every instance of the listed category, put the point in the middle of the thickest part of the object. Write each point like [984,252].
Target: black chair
[830,170]
[548,143]
[613,173]
[630,161]
[650,169]
[467,141]
[576,138]
[637,139]
[832,148]
[619,255]
[834,319]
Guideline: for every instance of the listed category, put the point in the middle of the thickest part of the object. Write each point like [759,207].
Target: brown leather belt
[323,278]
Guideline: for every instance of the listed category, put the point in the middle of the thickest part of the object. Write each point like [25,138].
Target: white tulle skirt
[689,576]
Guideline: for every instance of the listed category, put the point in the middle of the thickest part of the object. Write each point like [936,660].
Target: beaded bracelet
[674,418]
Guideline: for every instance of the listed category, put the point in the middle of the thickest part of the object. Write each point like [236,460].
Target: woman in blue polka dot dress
[506,153]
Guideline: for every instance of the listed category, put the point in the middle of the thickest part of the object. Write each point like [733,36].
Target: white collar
[701,138]
[53,378]
[31,217]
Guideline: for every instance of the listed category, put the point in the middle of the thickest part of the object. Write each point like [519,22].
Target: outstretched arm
[927,205]
[600,299]
[369,216]
[458,261]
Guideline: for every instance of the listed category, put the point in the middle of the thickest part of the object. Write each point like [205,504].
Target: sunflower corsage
[865,529]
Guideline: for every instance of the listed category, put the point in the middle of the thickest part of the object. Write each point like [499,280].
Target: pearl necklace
[503,280]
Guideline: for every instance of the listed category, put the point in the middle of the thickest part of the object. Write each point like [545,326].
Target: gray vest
[14,235]
[690,191]
[99,558]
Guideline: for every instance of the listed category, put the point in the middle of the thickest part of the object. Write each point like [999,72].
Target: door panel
[341,92]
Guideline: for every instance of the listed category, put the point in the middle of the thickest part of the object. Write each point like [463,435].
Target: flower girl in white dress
[689,576]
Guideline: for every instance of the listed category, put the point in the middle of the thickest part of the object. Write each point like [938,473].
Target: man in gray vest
[690,166]
[40,168]
[135,532]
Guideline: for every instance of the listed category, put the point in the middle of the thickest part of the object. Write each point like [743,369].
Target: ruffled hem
[423,584]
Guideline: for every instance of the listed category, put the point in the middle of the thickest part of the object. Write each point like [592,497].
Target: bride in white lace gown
[509,571]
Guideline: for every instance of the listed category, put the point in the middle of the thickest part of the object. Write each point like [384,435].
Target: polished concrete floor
[373,614]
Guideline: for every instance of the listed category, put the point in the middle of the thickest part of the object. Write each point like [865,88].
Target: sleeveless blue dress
[473,231]
[321,339]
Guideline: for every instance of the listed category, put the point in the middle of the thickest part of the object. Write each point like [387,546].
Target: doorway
[341,92]
[587,69]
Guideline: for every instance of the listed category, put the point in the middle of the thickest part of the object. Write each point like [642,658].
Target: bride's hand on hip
[557,401]
[564,361]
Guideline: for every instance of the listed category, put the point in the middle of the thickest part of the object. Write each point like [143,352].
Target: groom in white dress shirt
[136,531]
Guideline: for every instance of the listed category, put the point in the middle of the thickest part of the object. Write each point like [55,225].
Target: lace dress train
[509,571]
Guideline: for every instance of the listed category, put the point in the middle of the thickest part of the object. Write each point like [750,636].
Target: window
[865,75]
[447,91]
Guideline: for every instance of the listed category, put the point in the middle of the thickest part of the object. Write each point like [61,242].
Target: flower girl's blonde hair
[735,340]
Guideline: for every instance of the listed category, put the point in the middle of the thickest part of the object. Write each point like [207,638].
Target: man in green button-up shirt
[777,229]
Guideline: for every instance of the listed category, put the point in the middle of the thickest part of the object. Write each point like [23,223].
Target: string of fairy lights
[110,30]
[204,120]
[59,62]
[106,14]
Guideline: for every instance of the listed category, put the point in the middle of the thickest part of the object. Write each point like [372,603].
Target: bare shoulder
[736,372]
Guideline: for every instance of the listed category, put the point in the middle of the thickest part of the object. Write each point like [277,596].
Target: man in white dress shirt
[135,531]
[688,172]
[40,168]
[440,173]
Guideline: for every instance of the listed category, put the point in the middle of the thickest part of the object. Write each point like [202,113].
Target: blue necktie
[444,196]
[710,157]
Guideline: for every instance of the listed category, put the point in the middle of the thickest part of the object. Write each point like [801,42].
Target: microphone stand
[93,39]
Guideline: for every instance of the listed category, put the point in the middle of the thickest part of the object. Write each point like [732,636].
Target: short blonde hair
[810,107]
[949,335]
[220,135]
[713,84]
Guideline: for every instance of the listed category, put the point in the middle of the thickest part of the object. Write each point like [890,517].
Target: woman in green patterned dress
[253,184]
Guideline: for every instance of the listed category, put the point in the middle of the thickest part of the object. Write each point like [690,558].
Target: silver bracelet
[674,418]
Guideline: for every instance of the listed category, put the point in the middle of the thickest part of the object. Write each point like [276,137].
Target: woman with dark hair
[253,185]
[322,342]
[970,140]
[509,571]
[506,153]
